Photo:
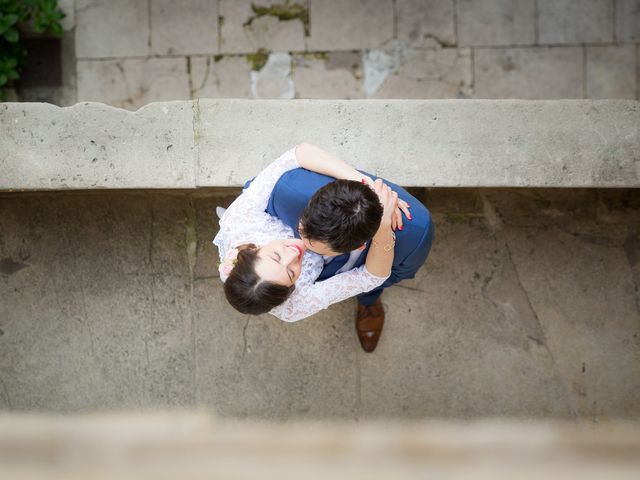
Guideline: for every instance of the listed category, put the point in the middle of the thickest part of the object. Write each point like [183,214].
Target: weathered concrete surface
[575,21]
[555,72]
[146,37]
[132,83]
[96,146]
[426,22]
[528,306]
[244,29]
[350,24]
[186,27]
[112,28]
[335,75]
[210,143]
[628,20]
[496,22]
[610,72]
[216,77]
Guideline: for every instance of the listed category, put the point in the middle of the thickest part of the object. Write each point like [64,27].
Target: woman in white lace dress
[274,271]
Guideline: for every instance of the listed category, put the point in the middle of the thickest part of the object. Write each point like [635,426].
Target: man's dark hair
[343,214]
[246,291]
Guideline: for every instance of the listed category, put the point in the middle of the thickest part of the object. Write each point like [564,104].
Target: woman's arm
[380,256]
[314,158]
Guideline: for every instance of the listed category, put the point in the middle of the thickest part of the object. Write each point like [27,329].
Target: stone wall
[223,143]
[132,52]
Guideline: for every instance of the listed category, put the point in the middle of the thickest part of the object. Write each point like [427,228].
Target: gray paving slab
[334,75]
[184,28]
[91,145]
[528,73]
[273,80]
[575,21]
[463,318]
[577,300]
[350,24]
[227,76]
[246,26]
[611,72]
[381,62]
[628,20]
[427,23]
[263,367]
[496,22]
[527,307]
[430,73]
[132,83]
[112,28]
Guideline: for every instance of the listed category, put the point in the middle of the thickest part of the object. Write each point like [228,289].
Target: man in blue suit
[290,198]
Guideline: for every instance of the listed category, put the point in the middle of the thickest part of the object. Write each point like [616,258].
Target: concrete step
[223,142]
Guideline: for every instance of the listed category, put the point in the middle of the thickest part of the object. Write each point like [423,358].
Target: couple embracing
[310,231]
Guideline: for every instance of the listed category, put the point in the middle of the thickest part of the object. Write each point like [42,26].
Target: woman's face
[280,261]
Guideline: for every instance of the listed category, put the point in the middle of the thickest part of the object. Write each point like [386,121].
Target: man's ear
[362,247]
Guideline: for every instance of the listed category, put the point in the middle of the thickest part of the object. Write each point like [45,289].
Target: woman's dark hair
[343,214]
[246,291]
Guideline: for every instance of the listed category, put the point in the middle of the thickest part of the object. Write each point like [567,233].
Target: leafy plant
[44,16]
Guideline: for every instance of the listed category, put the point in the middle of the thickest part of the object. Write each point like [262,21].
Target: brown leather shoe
[369,322]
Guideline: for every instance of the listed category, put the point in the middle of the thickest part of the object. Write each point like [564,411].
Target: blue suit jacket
[295,188]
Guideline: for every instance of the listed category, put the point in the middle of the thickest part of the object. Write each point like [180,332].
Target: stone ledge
[223,142]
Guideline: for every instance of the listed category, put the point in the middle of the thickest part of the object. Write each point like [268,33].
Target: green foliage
[42,15]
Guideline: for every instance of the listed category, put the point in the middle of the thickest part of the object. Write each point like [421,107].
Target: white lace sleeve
[310,297]
[242,221]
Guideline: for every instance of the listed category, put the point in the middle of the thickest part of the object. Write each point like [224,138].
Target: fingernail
[400,227]
[363,181]
[409,217]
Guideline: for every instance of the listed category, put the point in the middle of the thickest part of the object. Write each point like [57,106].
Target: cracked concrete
[517,313]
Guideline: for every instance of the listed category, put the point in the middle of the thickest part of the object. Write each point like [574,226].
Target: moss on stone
[315,55]
[282,11]
[217,58]
[257,60]
[220,21]
[196,121]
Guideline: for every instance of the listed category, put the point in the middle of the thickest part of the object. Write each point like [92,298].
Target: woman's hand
[400,207]
[389,200]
